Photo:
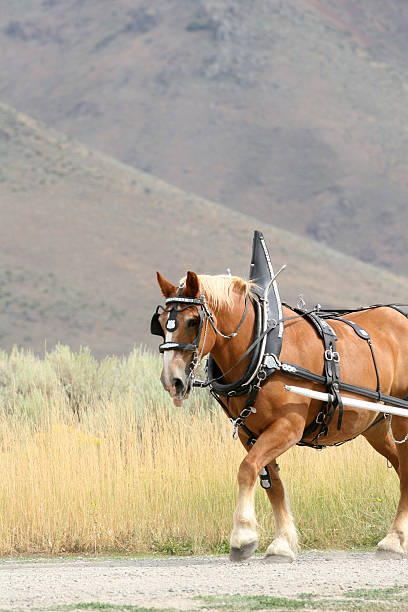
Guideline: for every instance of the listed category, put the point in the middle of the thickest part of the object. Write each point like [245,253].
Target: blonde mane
[219,289]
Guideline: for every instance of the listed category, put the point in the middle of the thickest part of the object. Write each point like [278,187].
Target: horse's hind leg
[285,544]
[395,542]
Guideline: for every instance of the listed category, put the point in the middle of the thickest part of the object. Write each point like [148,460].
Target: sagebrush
[94,458]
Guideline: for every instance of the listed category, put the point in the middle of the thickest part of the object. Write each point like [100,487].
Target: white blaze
[168,356]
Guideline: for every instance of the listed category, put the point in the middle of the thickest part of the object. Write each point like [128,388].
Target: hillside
[82,235]
[294,111]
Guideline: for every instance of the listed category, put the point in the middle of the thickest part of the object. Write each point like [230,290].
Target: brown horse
[281,416]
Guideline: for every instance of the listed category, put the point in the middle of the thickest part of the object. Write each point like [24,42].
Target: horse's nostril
[178,385]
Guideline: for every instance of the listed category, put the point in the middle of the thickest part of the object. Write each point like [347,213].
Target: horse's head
[183,323]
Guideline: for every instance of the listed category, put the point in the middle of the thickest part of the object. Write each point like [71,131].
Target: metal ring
[245,412]
[320,418]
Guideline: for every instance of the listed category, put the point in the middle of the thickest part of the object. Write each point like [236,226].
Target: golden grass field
[136,475]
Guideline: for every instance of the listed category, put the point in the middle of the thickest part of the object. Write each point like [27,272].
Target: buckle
[331,355]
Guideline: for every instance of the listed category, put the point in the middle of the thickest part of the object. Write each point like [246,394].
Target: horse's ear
[192,286]
[167,288]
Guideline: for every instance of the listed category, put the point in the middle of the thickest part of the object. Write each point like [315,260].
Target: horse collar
[268,337]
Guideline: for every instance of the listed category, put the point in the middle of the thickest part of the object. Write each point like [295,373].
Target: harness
[265,352]
[331,377]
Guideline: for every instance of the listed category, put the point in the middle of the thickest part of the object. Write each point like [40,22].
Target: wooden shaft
[348,401]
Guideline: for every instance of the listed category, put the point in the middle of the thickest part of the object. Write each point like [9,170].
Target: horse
[281,417]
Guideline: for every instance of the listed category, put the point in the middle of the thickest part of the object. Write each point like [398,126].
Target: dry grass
[136,475]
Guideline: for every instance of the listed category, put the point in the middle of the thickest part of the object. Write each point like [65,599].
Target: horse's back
[388,330]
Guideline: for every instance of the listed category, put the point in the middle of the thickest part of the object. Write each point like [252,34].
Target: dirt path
[172,583]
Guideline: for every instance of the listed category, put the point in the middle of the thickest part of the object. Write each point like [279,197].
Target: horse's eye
[192,322]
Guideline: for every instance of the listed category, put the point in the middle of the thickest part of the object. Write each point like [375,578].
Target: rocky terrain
[292,111]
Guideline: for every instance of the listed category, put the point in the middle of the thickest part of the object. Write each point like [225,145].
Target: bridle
[206,318]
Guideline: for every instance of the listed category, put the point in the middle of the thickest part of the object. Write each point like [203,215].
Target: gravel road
[173,582]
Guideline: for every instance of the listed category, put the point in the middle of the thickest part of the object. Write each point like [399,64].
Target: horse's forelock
[219,289]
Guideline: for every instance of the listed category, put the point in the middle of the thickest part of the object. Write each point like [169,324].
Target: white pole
[349,401]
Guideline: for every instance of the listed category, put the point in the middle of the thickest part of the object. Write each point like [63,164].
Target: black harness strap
[362,333]
[325,415]
[324,312]
[318,446]
[332,375]
[179,346]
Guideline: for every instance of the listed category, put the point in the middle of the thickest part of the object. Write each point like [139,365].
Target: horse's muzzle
[178,389]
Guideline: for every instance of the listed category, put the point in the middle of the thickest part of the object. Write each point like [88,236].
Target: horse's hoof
[278,559]
[243,553]
[385,555]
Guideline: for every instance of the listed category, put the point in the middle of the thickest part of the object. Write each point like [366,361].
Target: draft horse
[216,315]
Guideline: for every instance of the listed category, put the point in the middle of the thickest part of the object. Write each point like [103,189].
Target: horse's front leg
[274,441]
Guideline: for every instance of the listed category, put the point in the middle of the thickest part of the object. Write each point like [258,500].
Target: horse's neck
[227,351]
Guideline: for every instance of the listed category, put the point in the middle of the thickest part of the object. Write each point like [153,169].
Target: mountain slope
[294,112]
[82,235]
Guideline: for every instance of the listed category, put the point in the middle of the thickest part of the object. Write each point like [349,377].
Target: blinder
[155,327]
